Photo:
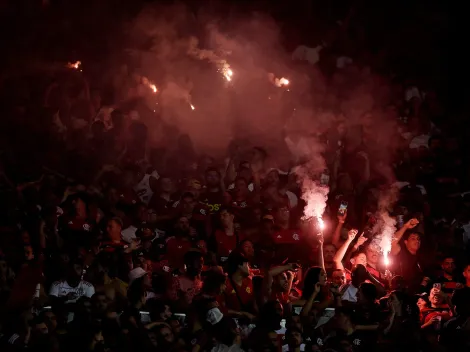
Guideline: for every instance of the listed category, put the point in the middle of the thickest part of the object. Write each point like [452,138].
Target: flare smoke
[386,225]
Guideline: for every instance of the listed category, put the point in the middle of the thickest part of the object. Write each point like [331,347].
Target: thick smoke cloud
[187,57]
[187,68]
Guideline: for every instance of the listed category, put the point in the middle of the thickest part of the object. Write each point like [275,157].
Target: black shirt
[407,265]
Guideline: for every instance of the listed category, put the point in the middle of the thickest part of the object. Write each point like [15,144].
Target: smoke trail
[308,174]
[386,225]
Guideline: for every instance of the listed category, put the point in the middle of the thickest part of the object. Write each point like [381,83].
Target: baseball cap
[136,273]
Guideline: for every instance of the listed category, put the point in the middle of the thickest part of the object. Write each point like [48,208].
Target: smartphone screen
[181,317]
[342,208]
[145,317]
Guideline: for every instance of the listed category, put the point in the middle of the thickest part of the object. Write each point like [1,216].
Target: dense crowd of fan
[122,244]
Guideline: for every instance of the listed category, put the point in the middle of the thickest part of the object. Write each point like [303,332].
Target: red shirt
[241,209]
[78,224]
[176,248]
[225,243]
[184,286]
[293,244]
[373,272]
[201,212]
[161,266]
[110,246]
[245,292]
[287,236]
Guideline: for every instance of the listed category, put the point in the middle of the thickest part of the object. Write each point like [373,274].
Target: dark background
[421,40]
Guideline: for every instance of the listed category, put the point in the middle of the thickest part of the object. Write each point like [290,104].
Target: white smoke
[386,225]
[314,193]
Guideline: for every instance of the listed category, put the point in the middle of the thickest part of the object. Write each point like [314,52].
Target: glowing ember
[149,84]
[226,71]
[283,81]
[74,65]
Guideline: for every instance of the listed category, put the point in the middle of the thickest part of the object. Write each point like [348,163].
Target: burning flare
[149,84]
[74,65]
[282,82]
[226,71]
[321,223]
[386,259]
[278,82]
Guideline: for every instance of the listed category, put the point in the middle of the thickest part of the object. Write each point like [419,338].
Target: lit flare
[321,223]
[226,71]
[281,82]
[386,259]
[74,65]
[149,84]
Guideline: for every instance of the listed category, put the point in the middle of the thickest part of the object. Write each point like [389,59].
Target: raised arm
[339,227]
[321,259]
[338,258]
[268,279]
[396,248]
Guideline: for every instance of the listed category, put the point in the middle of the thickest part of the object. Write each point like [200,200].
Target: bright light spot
[321,223]
[192,106]
[74,65]
[227,72]
[386,259]
[153,87]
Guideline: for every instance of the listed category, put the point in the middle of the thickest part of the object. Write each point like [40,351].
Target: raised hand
[342,217]
[352,234]
[361,240]
[412,223]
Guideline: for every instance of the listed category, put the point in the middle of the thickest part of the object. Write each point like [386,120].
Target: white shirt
[62,289]
[350,294]
[128,234]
